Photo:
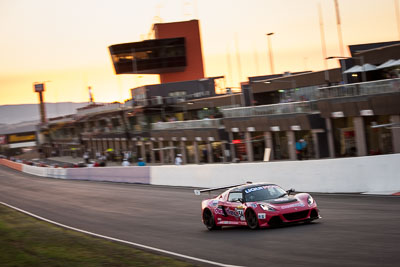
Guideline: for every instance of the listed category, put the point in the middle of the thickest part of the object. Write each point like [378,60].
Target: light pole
[271,60]
[39,87]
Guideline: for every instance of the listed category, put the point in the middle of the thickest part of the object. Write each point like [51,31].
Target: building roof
[358,48]
[274,76]
[380,54]
[22,127]
[297,81]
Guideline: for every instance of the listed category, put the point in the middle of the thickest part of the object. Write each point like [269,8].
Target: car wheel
[251,219]
[209,221]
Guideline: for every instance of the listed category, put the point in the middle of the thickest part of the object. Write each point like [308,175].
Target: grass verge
[26,241]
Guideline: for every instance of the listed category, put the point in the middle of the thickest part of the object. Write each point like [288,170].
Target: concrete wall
[347,175]
[112,174]
[360,174]
[39,171]
[11,164]
[56,173]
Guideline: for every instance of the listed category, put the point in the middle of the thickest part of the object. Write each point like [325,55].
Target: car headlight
[267,207]
[310,200]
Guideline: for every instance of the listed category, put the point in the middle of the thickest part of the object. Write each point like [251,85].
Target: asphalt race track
[355,230]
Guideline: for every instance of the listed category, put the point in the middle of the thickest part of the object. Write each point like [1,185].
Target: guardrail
[359,89]
[283,108]
[99,130]
[192,124]
[346,90]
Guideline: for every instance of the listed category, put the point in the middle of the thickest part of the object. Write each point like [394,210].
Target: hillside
[10,114]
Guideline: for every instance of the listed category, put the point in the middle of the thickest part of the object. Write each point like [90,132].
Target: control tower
[175,53]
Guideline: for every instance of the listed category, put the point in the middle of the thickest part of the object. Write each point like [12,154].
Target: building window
[115,122]
[177,94]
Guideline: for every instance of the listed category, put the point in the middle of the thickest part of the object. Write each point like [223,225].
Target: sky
[64,43]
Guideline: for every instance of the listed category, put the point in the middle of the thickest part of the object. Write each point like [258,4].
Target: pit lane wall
[346,175]
[133,174]
[111,174]
[11,164]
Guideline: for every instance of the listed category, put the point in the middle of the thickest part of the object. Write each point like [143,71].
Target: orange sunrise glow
[66,42]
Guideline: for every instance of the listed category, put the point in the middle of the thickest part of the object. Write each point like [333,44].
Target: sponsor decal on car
[214,203]
[229,222]
[293,206]
[261,216]
[219,211]
[233,213]
[249,190]
[239,211]
[254,189]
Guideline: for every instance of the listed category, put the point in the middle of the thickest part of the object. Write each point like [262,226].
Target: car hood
[282,200]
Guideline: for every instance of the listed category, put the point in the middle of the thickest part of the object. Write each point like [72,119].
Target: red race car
[257,205]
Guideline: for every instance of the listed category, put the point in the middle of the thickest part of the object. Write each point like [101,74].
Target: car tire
[251,219]
[208,220]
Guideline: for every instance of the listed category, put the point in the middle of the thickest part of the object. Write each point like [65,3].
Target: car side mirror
[291,190]
[241,200]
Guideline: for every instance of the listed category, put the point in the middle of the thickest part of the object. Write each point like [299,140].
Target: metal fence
[359,89]
[346,90]
[283,108]
[206,123]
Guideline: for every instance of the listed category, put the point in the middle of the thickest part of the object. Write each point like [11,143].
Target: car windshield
[265,192]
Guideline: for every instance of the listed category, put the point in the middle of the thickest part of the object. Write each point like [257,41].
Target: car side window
[235,196]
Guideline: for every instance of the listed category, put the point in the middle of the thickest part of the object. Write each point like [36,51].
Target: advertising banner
[21,137]
[3,140]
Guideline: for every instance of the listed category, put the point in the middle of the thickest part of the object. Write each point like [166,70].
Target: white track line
[122,241]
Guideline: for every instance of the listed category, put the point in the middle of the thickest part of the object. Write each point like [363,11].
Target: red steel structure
[190,30]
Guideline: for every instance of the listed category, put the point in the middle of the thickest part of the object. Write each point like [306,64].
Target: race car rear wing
[198,192]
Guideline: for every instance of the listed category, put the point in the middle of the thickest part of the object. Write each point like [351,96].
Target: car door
[232,209]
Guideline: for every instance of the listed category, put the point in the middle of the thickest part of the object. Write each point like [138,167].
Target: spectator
[86,157]
[103,160]
[299,149]
[125,163]
[126,155]
[304,148]
[141,162]
[205,155]
[178,159]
